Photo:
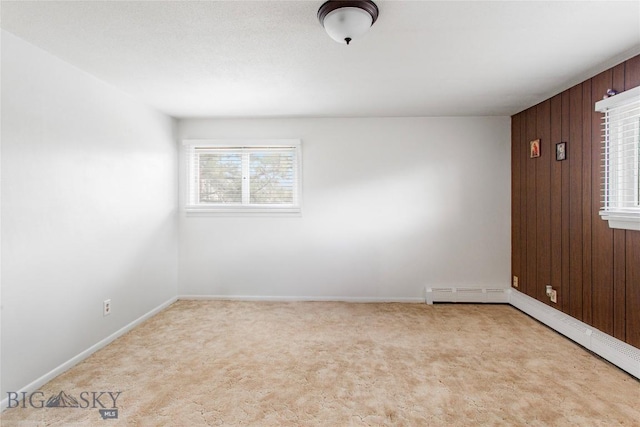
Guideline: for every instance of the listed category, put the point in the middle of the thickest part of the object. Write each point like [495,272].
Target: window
[243,176]
[621,159]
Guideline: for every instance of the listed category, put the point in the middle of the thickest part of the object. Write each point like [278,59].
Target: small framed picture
[535,148]
[561,151]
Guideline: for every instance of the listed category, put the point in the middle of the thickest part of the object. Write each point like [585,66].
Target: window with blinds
[243,176]
[621,159]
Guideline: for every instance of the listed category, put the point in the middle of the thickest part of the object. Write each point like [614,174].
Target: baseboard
[621,354]
[466,294]
[33,386]
[300,298]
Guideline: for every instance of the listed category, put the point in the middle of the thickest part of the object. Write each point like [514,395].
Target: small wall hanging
[535,148]
[561,151]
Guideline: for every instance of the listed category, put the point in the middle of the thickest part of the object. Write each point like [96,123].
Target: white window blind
[243,176]
[621,159]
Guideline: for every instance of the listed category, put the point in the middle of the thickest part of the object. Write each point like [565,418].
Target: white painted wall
[89,199]
[389,206]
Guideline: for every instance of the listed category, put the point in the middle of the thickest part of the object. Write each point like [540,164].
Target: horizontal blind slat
[621,156]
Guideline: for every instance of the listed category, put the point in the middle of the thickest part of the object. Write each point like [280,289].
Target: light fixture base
[331,5]
[345,20]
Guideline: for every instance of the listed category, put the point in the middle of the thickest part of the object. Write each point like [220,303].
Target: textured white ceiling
[272,58]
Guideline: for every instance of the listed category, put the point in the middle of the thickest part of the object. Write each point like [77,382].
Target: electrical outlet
[515,281]
[106,307]
[554,296]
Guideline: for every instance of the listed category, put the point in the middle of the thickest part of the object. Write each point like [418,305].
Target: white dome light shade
[347,20]
[347,23]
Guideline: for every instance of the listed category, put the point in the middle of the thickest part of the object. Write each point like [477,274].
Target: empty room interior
[310,213]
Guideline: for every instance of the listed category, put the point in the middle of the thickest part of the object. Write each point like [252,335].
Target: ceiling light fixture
[345,20]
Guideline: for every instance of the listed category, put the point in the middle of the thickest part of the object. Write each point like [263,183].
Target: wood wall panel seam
[587,220]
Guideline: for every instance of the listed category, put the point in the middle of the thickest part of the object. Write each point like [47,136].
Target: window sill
[622,220]
[244,211]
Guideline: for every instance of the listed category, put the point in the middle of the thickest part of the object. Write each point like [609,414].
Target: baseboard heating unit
[621,354]
[618,352]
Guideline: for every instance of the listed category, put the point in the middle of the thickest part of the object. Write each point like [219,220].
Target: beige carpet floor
[210,363]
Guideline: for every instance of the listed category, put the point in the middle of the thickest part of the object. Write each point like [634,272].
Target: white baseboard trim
[33,386]
[467,294]
[300,298]
[621,354]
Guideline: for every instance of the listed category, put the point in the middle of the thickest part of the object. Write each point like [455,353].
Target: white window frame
[193,207]
[617,177]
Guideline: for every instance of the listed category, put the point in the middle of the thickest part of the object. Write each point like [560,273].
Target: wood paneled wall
[558,237]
